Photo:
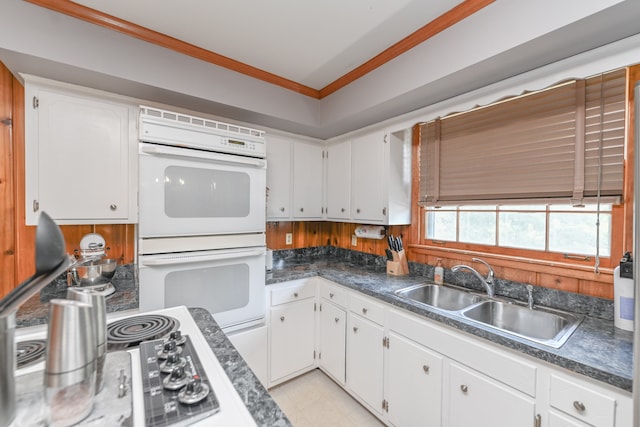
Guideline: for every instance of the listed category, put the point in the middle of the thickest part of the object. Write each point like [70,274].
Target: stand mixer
[96,273]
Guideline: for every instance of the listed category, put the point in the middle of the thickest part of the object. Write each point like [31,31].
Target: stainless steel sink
[544,326]
[441,297]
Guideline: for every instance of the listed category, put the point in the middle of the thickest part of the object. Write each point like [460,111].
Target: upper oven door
[185,192]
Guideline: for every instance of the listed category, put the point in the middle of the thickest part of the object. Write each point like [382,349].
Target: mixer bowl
[94,273]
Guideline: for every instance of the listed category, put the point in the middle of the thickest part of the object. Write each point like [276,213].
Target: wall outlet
[354,240]
[289,238]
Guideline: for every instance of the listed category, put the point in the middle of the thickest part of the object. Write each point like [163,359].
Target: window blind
[548,144]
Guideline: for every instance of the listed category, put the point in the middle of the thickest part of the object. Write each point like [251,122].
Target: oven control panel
[174,383]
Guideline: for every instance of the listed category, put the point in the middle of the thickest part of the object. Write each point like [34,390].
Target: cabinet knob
[301,209]
[337,319]
[579,406]
[282,318]
[425,368]
[113,207]
[342,210]
[358,210]
[355,329]
[281,209]
[464,388]
[295,295]
[330,295]
[364,311]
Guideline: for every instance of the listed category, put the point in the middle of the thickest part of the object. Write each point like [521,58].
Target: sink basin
[543,326]
[441,297]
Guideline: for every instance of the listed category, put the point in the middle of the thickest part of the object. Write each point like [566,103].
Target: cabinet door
[368,186]
[308,169]
[333,323]
[365,360]
[77,157]
[278,177]
[292,338]
[477,400]
[414,384]
[339,180]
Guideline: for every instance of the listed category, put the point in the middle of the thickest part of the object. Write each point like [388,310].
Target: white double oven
[202,217]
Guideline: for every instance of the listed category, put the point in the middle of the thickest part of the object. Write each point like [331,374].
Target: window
[551,228]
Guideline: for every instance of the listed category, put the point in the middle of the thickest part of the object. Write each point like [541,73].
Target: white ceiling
[312,42]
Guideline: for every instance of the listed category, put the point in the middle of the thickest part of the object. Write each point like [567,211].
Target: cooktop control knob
[178,337]
[194,392]
[177,379]
[173,360]
[167,348]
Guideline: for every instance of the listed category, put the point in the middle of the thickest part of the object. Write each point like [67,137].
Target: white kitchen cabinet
[278,177]
[339,181]
[308,178]
[80,151]
[558,420]
[332,329]
[365,350]
[367,178]
[295,179]
[475,399]
[381,178]
[413,385]
[292,321]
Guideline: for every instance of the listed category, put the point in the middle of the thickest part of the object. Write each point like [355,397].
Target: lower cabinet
[292,342]
[365,360]
[252,345]
[413,385]
[475,399]
[410,371]
[332,329]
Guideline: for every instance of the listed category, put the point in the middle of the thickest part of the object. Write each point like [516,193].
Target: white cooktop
[232,409]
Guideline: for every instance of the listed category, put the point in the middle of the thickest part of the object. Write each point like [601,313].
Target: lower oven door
[229,283]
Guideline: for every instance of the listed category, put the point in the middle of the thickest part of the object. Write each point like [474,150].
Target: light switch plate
[289,238]
[354,240]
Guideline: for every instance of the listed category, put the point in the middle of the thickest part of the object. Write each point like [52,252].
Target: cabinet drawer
[297,290]
[366,308]
[582,403]
[335,294]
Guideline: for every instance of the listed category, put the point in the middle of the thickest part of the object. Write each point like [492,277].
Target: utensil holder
[399,266]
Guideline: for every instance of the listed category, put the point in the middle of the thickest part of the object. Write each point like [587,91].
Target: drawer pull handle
[331,295]
[295,294]
[113,207]
[281,209]
[464,388]
[355,329]
[364,311]
[425,368]
[579,406]
[282,318]
[337,319]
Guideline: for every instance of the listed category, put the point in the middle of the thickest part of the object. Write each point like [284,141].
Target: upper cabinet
[339,181]
[295,177]
[80,151]
[380,179]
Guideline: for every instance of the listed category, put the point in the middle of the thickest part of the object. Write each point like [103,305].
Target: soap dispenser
[438,272]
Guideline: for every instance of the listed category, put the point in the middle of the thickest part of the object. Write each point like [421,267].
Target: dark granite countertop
[596,349]
[257,399]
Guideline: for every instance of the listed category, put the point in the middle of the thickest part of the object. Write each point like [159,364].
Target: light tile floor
[314,400]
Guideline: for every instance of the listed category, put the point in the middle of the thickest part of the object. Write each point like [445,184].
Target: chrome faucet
[486,282]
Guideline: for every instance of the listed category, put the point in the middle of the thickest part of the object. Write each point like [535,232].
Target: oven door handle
[174,260]
[159,150]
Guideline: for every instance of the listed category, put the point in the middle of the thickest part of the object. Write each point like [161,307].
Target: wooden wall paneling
[567,284]
[596,289]
[633,76]
[7,185]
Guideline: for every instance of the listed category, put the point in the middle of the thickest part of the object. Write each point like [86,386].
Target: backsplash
[577,303]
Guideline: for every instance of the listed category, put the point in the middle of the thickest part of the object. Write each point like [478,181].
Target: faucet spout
[487,282]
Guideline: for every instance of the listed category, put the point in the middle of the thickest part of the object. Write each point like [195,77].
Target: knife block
[399,266]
